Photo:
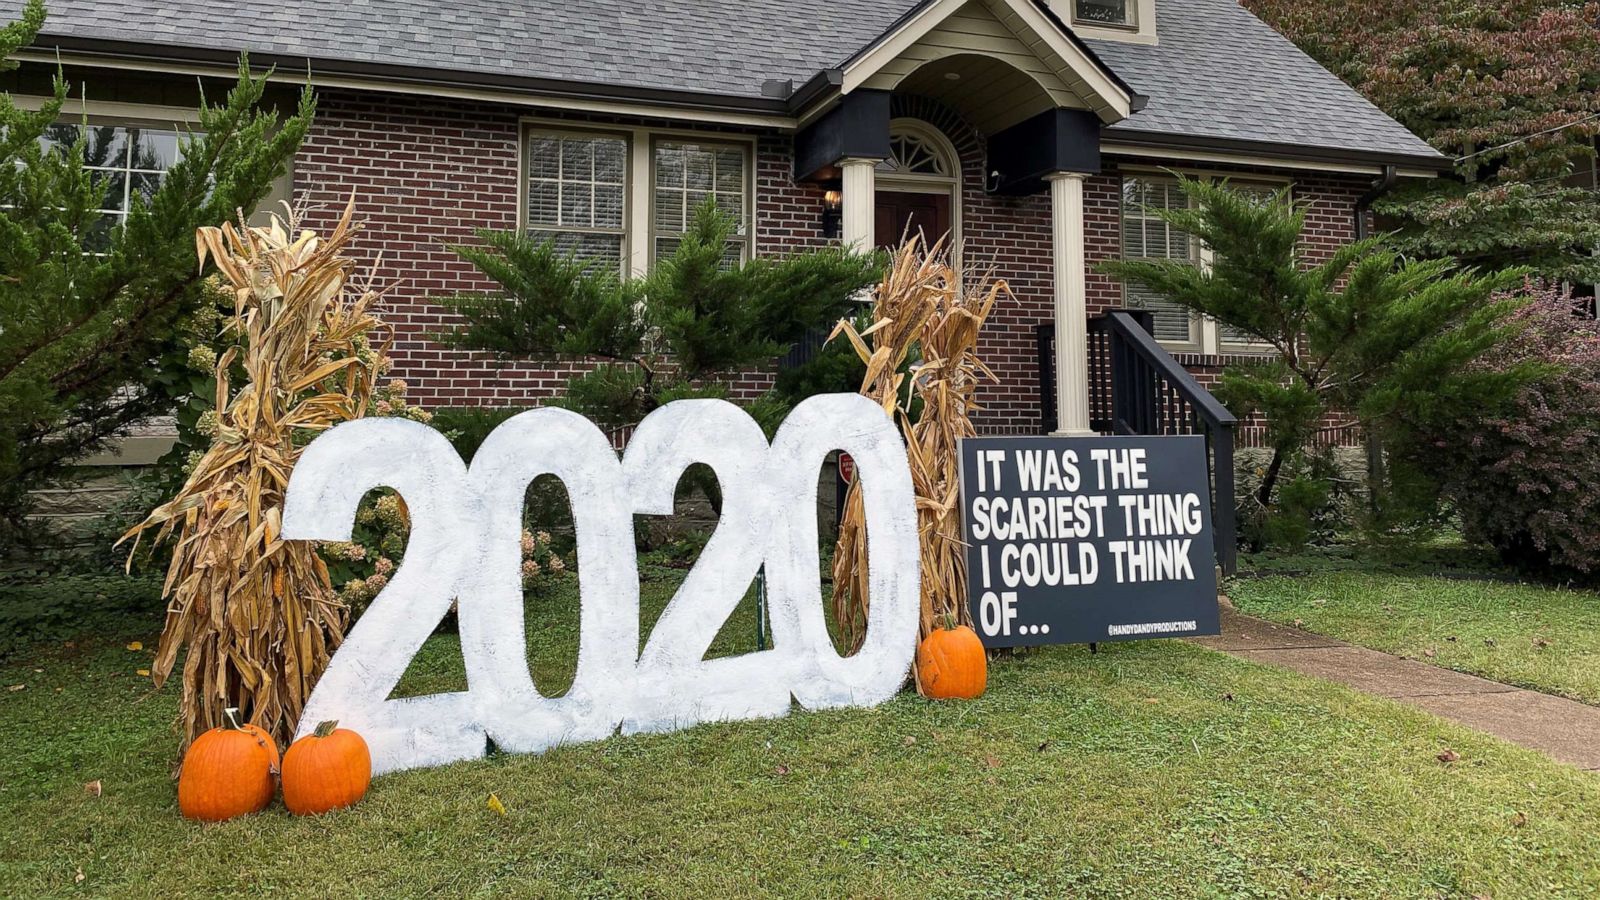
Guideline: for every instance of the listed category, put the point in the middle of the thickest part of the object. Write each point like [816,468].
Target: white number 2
[465,527]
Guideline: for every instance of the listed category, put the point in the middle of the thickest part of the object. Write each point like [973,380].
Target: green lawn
[1472,619]
[1148,770]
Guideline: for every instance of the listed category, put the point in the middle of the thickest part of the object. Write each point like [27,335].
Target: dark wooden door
[899,210]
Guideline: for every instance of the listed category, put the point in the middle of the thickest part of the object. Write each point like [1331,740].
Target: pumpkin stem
[232,715]
[949,621]
[326,728]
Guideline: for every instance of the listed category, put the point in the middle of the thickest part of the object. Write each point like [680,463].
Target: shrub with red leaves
[1526,480]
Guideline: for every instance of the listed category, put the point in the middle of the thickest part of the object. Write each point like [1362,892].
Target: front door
[905,212]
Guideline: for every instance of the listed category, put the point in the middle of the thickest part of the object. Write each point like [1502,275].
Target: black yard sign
[1080,540]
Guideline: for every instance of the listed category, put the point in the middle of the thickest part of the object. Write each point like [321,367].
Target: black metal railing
[1136,387]
[805,349]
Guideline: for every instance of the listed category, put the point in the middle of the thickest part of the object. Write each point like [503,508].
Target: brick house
[1035,131]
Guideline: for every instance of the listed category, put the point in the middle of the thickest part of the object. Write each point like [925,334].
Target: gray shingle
[688,45]
[1218,72]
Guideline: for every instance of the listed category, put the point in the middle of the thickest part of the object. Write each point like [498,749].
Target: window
[127,160]
[1228,337]
[625,198]
[911,153]
[577,194]
[1145,236]
[685,175]
[1103,12]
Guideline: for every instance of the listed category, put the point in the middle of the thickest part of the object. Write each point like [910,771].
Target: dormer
[1132,21]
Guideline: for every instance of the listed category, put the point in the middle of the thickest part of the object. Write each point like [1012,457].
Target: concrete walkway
[1563,729]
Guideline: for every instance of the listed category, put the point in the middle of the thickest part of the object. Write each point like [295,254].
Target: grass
[1153,769]
[1443,609]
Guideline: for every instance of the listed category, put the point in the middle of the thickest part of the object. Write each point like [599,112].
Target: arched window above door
[915,149]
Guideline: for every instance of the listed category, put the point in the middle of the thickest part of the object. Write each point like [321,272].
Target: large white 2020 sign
[466,523]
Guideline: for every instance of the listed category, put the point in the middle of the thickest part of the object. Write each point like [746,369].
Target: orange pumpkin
[952,664]
[327,769]
[228,772]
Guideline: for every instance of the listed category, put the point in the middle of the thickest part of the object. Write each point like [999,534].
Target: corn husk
[256,614]
[946,379]
[919,304]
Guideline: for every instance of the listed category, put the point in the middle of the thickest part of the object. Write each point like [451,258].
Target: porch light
[832,215]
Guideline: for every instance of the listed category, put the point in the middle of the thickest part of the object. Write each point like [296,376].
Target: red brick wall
[426,173]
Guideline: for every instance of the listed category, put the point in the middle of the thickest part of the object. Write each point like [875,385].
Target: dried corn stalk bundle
[946,380]
[258,615]
[918,282]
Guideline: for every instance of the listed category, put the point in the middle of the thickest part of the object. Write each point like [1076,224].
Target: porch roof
[1217,75]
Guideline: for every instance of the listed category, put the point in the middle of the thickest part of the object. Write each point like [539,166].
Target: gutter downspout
[1383,185]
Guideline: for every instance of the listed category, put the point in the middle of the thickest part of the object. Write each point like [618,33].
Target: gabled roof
[1218,73]
[1042,34]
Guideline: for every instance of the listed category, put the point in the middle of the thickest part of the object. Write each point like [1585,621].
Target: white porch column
[859,202]
[1072,312]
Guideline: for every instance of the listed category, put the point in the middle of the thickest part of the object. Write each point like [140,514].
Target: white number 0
[465,527]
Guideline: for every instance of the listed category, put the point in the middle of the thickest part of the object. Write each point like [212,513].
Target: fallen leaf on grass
[1448,756]
[1430,653]
[909,741]
[1299,623]
[93,788]
[135,645]
[1152,699]
[1540,643]
[781,770]
[78,877]
[17,687]
[142,672]
[496,807]
[1519,820]
[991,762]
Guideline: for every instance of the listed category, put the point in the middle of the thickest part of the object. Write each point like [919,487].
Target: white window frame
[1205,332]
[639,181]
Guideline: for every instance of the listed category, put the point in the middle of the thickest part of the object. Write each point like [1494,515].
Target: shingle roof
[1218,72]
[691,45]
